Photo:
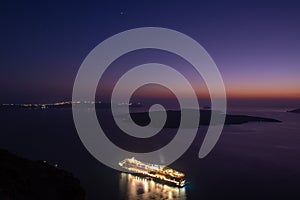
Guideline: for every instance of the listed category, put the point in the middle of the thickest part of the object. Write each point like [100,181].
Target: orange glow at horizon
[233,89]
[231,92]
[261,91]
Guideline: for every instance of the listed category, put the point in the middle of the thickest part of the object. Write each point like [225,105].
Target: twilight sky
[256,45]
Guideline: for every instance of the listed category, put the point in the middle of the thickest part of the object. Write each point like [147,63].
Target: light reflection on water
[134,188]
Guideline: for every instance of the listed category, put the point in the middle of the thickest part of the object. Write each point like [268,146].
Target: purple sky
[256,45]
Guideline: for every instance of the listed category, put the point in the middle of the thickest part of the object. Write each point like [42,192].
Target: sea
[256,160]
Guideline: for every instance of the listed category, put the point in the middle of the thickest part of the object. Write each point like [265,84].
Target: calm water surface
[255,160]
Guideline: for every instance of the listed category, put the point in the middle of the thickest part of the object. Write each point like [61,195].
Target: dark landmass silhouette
[25,179]
[174,117]
[294,111]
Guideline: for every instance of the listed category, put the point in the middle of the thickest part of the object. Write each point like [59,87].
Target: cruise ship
[154,171]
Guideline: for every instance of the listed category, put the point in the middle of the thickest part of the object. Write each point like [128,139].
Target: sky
[255,44]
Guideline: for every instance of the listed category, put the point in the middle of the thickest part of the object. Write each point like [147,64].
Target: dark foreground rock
[25,179]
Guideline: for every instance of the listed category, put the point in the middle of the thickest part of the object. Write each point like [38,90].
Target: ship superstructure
[155,171]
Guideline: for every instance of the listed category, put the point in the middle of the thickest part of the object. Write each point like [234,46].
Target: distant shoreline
[67,104]
[142,118]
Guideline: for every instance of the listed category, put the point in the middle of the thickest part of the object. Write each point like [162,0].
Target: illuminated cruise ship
[154,171]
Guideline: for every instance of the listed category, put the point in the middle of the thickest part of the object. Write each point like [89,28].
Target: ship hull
[157,180]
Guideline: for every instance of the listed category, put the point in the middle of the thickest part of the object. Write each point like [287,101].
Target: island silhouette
[174,116]
[294,111]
